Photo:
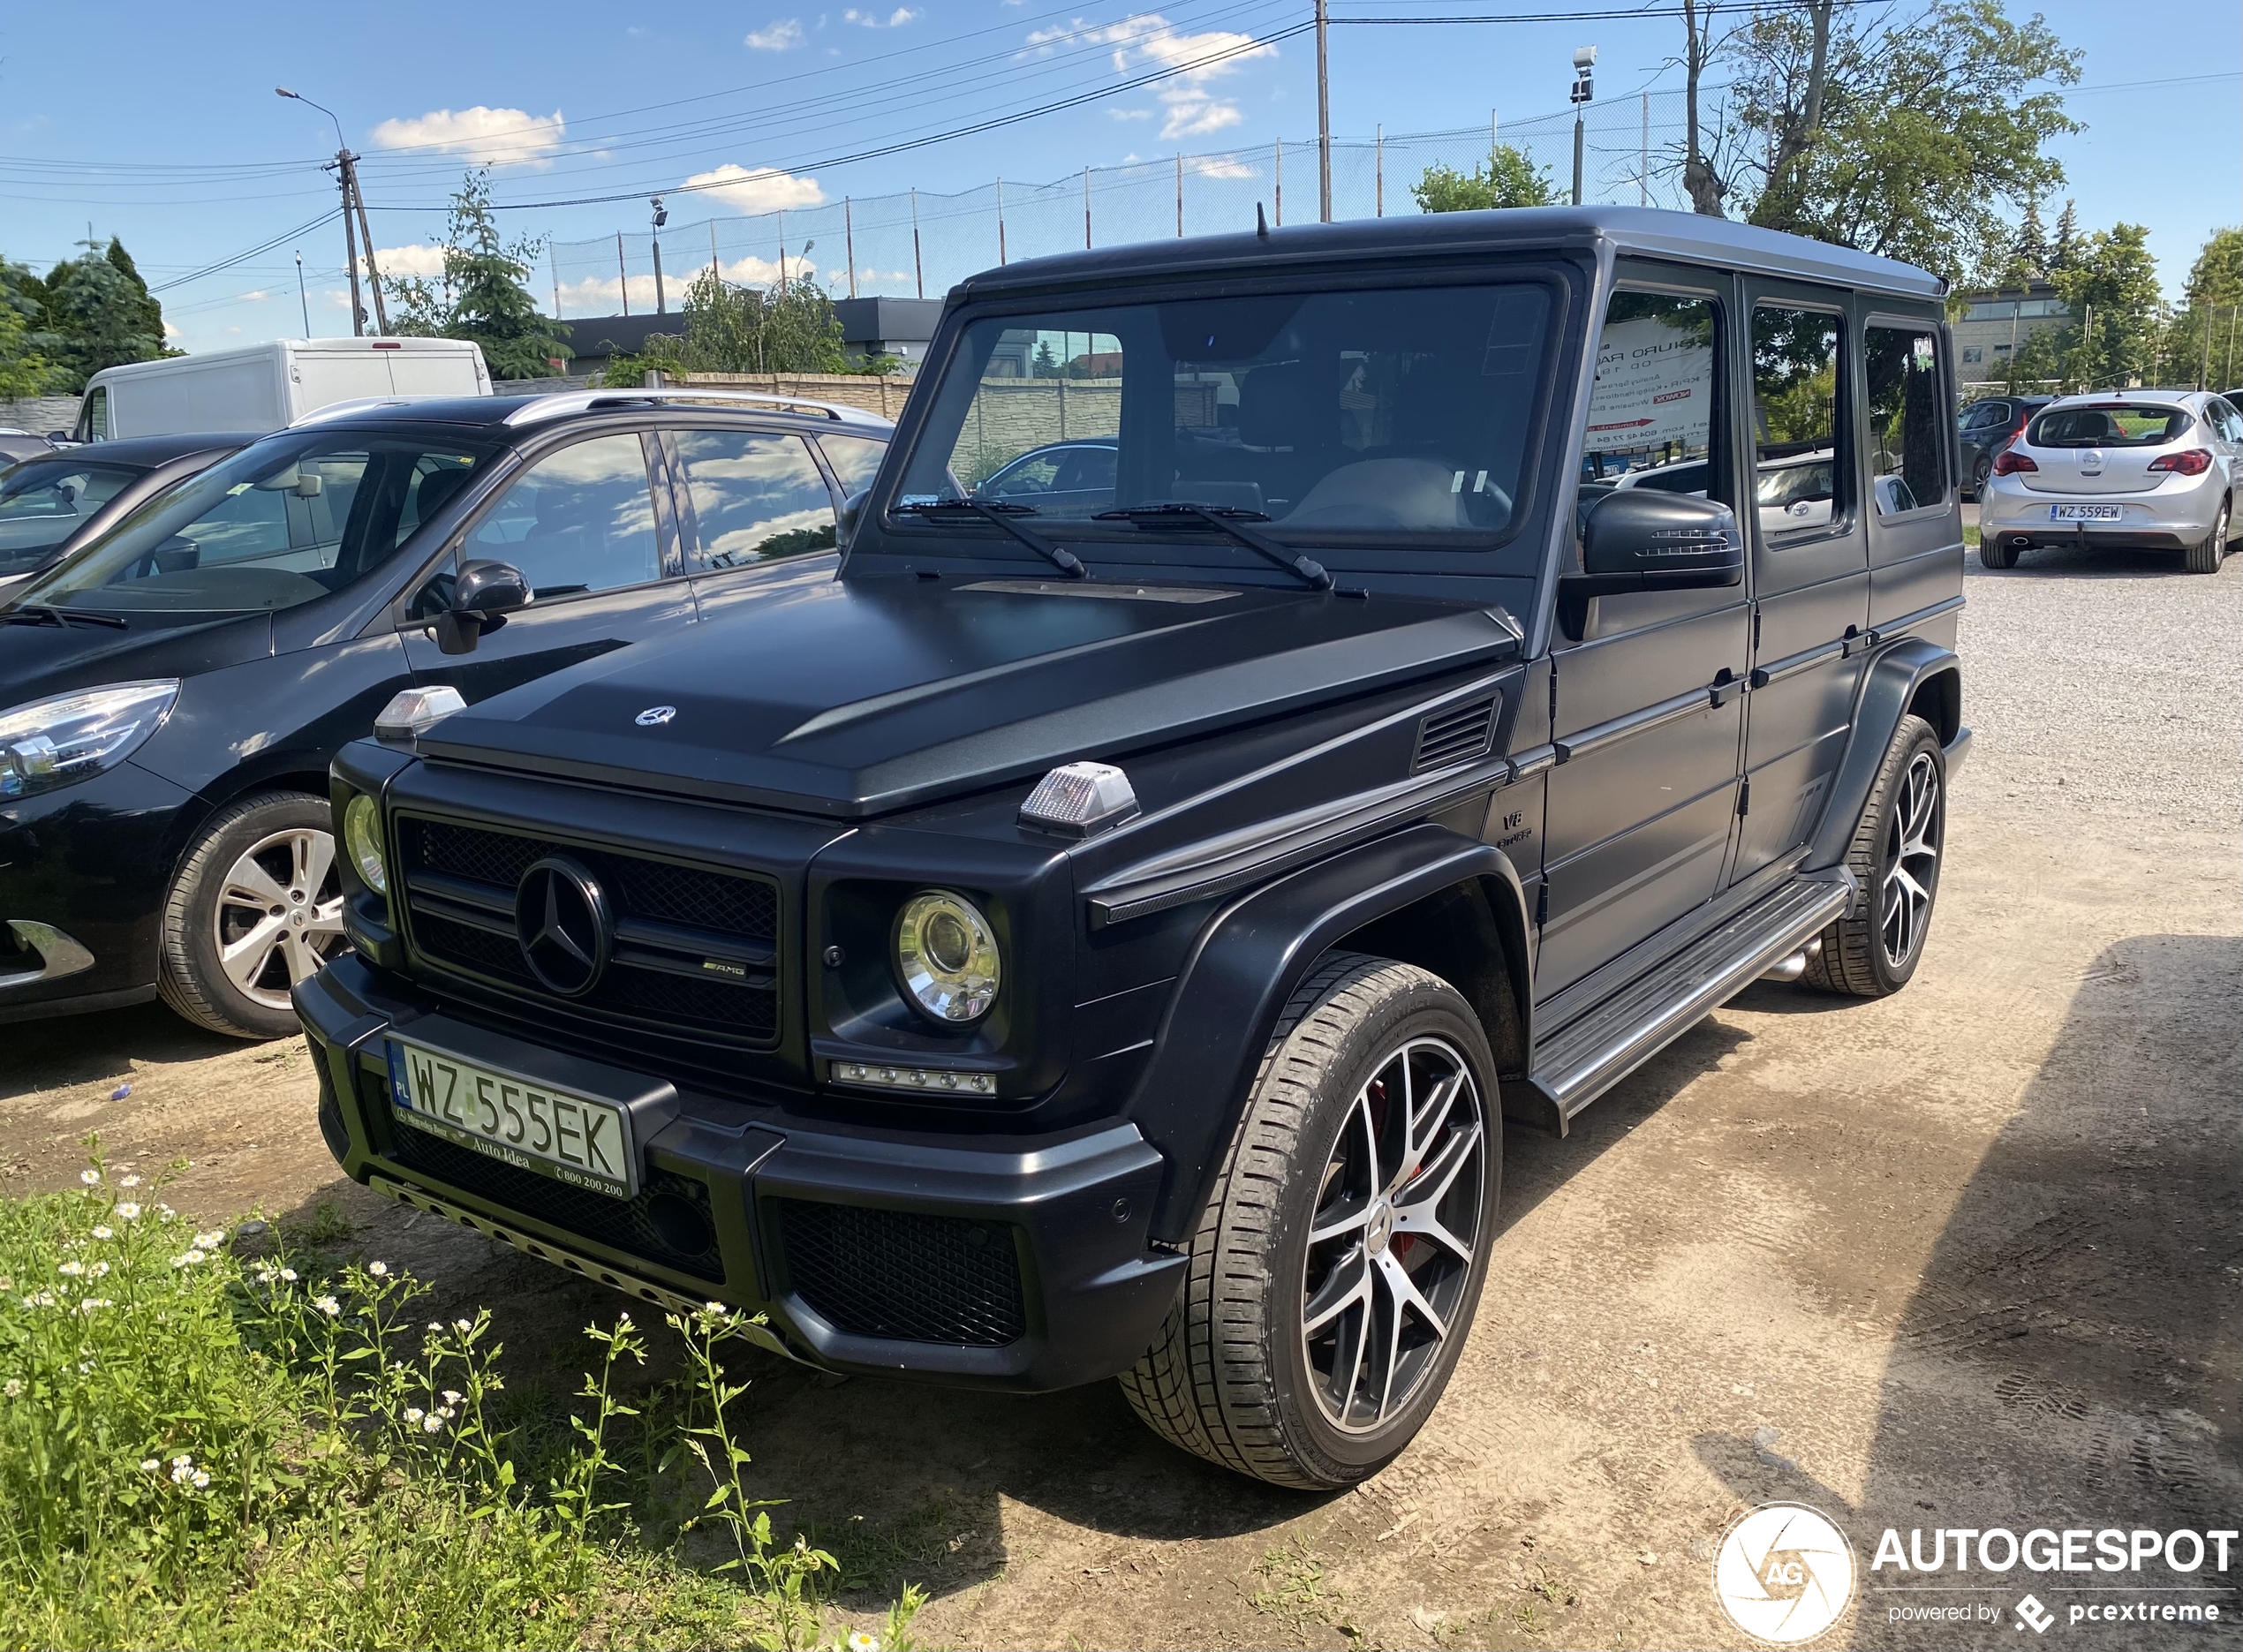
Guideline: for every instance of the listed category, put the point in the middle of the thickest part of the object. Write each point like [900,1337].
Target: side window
[1797,479]
[1651,413]
[93,418]
[578,520]
[855,460]
[755,498]
[1908,439]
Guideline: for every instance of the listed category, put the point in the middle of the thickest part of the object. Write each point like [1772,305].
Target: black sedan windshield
[1338,416]
[283,521]
[43,502]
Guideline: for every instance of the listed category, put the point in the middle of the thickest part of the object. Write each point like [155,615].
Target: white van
[269,387]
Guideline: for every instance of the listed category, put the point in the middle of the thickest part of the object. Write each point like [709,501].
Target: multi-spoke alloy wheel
[256,907]
[1391,1247]
[1331,1283]
[1911,863]
[1875,946]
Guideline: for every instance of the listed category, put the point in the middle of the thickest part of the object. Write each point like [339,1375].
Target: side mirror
[852,511]
[1640,539]
[483,595]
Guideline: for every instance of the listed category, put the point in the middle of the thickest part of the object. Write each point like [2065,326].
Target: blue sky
[179,146]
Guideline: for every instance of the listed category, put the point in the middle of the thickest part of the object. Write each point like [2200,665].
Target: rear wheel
[2205,558]
[256,907]
[1335,1275]
[1875,947]
[1993,553]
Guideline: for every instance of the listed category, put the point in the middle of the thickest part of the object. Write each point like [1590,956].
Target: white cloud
[753,190]
[783,35]
[487,136]
[170,331]
[257,297]
[1130,114]
[1221,166]
[1150,39]
[896,19]
[418,259]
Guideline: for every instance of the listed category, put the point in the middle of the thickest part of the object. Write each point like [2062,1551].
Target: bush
[200,1447]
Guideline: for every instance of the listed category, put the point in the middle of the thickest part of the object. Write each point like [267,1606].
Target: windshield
[283,521]
[45,501]
[1344,417]
[2118,425]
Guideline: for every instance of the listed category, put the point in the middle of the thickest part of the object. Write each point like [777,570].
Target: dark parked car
[20,444]
[1988,426]
[1111,939]
[1080,471]
[56,502]
[172,695]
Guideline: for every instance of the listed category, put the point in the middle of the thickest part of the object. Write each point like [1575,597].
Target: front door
[1647,707]
[1810,572]
[590,529]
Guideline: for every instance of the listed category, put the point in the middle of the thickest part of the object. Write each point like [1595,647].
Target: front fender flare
[1243,968]
[1887,691]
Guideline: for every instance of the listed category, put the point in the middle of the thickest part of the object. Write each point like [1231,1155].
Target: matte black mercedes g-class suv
[1108,935]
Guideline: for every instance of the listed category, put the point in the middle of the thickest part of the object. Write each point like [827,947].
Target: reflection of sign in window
[1971,352]
[1654,386]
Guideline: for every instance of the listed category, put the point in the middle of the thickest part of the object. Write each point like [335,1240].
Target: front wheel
[1981,475]
[256,907]
[1874,949]
[1335,1275]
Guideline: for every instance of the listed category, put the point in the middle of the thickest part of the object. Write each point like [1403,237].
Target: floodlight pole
[1323,119]
[1584,90]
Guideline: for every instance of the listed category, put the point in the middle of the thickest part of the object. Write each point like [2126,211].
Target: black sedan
[60,499]
[174,692]
[1986,428]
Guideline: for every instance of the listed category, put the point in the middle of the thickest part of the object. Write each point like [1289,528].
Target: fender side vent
[1456,736]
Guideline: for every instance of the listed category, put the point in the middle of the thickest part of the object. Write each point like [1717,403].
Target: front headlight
[51,742]
[362,839]
[947,955]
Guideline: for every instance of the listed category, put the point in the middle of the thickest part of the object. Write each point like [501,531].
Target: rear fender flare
[1895,680]
[1242,969]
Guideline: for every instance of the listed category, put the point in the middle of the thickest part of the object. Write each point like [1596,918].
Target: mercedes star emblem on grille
[655,715]
[560,917]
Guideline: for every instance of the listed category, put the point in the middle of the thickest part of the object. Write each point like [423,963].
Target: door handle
[1727,686]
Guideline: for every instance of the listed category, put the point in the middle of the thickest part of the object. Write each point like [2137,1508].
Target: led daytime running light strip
[940,1080]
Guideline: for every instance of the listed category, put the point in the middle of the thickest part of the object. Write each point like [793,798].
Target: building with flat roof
[1998,322]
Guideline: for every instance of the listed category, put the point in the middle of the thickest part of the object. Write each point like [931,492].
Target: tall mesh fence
[920,243]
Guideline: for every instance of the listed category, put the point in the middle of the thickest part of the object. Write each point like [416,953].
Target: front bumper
[2169,518]
[1001,1261]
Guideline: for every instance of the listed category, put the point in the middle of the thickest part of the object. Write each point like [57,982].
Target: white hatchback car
[2143,470]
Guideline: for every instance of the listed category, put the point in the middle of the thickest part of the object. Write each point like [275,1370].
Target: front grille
[696,949]
[641,1226]
[904,1275]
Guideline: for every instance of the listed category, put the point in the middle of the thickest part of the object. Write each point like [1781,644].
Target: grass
[199,1447]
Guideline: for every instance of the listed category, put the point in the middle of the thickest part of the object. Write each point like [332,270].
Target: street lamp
[353,203]
[1585,91]
[661,217]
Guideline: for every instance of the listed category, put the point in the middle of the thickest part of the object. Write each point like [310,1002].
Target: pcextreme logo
[1784,1574]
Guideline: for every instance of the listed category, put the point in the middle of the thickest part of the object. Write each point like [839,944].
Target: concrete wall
[883,395]
[1010,416]
[41,414]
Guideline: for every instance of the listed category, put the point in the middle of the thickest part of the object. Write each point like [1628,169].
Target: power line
[320,222]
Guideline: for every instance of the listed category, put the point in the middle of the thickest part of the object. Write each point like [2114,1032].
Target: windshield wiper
[46,614]
[1229,520]
[1002,513]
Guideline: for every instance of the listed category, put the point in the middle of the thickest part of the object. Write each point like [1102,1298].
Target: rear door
[757,512]
[591,527]
[1915,532]
[1809,564]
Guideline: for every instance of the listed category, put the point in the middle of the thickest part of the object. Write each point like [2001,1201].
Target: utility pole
[354,221]
[661,217]
[1323,120]
[366,233]
[1000,223]
[1584,89]
[302,302]
[622,273]
[848,244]
[918,268]
[351,251]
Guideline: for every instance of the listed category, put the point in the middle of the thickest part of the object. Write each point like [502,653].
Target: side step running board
[1580,1061]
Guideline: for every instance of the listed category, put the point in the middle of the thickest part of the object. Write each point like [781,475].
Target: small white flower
[128,1212]
[92,1303]
[446,1413]
[148,1465]
[91,1178]
[413,1413]
[210,1240]
[186,1258]
[167,1213]
[328,1305]
[378,1269]
[200,1479]
[128,1181]
[97,1270]
[266,1276]
[183,1462]
[623,1319]
[12,1387]
[71,1270]
[289,1274]
[451,1396]
[859,1642]
[86,1368]
[463,1326]
[179,1475]
[431,1425]
[105,1231]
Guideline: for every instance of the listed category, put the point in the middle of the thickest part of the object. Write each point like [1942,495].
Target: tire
[1873,947]
[2205,558]
[1981,474]
[257,905]
[1236,1375]
[1993,553]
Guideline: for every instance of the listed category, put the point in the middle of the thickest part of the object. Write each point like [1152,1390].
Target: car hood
[38,662]
[859,697]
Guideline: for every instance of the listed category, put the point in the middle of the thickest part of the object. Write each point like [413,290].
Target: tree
[2029,253]
[97,313]
[2202,343]
[1046,363]
[484,293]
[25,370]
[1906,138]
[2067,237]
[2111,288]
[740,329]
[1508,179]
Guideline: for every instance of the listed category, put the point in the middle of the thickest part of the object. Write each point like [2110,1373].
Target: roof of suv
[497,413]
[1641,229]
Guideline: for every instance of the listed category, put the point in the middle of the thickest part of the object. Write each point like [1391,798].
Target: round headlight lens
[362,838]
[947,955]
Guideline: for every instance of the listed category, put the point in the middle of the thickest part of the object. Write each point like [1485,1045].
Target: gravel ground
[2108,683]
